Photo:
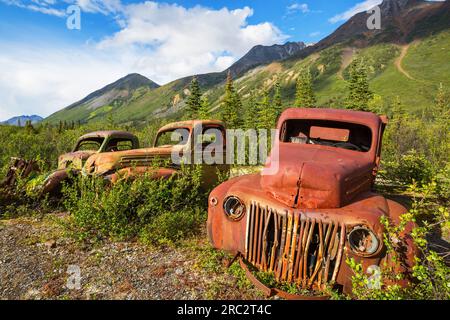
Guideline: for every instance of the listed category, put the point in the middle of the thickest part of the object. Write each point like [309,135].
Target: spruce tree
[277,103]
[304,96]
[194,100]
[398,112]
[441,103]
[231,105]
[267,112]
[250,113]
[203,112]
[359,93]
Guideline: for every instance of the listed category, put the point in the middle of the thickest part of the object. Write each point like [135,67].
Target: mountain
[401,22]
[408,57]
[108,98]
[259,55]
[22,120]
[120,96]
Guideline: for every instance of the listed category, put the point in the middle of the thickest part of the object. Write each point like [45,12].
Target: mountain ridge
[326,58]
[255,56]
[15,121]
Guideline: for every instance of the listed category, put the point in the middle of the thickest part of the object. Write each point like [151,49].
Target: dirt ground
[38,261]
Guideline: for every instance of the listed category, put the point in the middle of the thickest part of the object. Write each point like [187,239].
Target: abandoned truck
[86,146]
[303,220]
[178,137]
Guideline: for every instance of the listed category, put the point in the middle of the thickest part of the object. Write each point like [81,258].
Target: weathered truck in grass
[179,138]
[301,221]
[87,145]
[185,138]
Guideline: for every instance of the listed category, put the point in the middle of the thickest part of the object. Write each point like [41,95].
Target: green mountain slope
[408,58]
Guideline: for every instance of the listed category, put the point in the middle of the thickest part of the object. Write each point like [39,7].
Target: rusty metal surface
[76,158]
[297,221]
[293,253]
[108,133]
[189,124]
[107,163]
[270,292]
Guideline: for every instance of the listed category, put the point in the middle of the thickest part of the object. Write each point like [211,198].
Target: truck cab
[184,139]
[299,220]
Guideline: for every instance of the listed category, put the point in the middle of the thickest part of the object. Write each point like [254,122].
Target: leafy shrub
[159,210]
[171,227]
[411,167]
[430,276]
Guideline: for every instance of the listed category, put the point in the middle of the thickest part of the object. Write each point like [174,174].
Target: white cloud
[41,6]
[100,6]
[170,41]
[41,81]
[357,8]
[298,7]
[161,41]
[57,8]
[315,34]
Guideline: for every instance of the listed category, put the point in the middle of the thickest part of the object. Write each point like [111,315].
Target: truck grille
[137,160]
[295,248]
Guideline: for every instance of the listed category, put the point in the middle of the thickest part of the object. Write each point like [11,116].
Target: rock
[50,244]
[179,271]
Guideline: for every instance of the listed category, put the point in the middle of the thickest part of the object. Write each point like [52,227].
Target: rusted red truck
[301,221]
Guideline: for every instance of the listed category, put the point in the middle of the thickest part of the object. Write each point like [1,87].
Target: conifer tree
[194,100]
[359,93]
[110,121]
[203,112]
[267,112]
[277,103]
[442,104]
[398,112]
[231,105]
[304,96]
[251,113]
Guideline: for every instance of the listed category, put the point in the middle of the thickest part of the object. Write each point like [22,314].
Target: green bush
[159,210]
[430,276]
[411,167]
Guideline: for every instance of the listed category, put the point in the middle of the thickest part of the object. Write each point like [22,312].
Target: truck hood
[106,162]
[312,176]
[74,159]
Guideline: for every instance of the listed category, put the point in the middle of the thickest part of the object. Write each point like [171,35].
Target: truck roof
[190,124]
[108,133]
[360,117]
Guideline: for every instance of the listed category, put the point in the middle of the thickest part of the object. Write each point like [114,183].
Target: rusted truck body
[302,221]
[178,138]
[87,145]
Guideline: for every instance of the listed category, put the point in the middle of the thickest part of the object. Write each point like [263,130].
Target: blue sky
[45,66]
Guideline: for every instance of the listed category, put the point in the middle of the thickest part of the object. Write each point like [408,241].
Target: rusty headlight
[234,208]
[363,241]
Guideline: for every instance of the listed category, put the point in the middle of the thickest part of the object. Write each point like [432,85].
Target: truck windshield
[91,144]
[178,136]
[337,134]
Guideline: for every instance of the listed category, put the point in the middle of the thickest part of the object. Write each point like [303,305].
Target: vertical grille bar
[295,248]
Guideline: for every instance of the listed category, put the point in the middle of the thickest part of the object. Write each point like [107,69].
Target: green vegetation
[359,93]
[414,165]
[304,97]
[231,105]
[194,100]
[158,211]
[425,61]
